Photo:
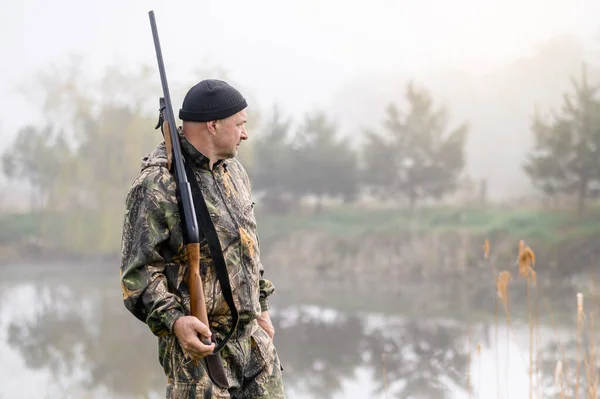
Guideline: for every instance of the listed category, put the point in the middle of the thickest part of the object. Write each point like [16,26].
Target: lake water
[64,333]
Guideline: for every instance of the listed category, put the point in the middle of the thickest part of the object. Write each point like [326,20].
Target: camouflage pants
[251,364]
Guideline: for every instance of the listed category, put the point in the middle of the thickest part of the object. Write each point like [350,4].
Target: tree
[106,126]
[84,171]
[37,157]
[415,156]
[323,164]
[566,155]
[272,166]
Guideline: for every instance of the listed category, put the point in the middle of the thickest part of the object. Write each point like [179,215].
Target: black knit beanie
[211,100]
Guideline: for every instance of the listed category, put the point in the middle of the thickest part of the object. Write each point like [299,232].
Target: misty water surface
[64,333]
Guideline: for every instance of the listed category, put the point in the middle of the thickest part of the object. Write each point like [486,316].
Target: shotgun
[190,223]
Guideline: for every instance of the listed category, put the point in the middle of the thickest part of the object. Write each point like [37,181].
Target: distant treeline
[81,160]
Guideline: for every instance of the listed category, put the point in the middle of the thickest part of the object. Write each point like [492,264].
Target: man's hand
[186,329]
[265,322]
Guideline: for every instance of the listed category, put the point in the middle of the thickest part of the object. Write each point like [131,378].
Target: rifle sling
[208,228]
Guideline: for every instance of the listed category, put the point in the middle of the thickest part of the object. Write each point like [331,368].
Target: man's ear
[212,127]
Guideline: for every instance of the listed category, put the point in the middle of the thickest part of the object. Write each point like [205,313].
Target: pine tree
[414,156]
[566,155]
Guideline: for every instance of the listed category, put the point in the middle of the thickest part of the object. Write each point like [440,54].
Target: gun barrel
[191,224]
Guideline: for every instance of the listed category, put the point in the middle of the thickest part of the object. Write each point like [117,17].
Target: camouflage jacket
[154,262]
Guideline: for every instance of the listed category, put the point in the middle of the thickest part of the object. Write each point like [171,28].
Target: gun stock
[198,303]
[191,231]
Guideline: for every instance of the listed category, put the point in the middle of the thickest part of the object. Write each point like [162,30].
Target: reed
[587,378]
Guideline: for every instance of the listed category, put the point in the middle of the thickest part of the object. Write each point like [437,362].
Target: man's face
[229,135]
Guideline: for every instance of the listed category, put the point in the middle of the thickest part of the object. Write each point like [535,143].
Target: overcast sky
[300,54]
[293,52]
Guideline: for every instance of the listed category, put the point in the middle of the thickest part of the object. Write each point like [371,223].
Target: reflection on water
[325,349]
[65,333]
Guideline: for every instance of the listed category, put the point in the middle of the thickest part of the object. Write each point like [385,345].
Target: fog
[383,286]
[490,63]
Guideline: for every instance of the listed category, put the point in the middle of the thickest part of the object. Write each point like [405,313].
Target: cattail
[580,320]
[384,371]
[486,249]
[580,314]
[558,375]
[502,284]
[526,260]
[532,277]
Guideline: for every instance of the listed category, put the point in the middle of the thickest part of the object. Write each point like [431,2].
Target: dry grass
[586,382]
[469,362]
[384,372]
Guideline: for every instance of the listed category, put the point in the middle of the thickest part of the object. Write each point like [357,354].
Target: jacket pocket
[263,351]
[178,367]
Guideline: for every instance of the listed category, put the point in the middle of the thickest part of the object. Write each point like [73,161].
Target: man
[154,260]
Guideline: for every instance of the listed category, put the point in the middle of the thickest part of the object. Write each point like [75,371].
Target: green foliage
[273,161]
[37,156]
[324,164]
[86,162]
[17,228]
[80,166]
[565,159]
[415,156]
[312,162]
[550,226]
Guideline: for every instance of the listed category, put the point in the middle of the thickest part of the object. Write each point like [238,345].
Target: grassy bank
[71,233]
[540,225]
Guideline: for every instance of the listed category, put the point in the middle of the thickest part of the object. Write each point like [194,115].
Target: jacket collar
[198,160]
